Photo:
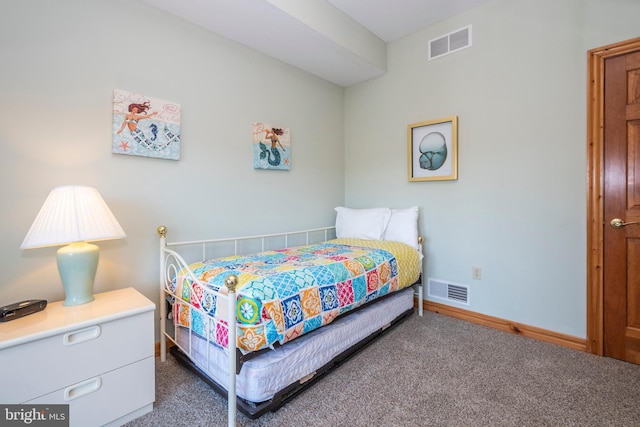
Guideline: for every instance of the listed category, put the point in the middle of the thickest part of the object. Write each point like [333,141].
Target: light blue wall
[518,209]
[61,61]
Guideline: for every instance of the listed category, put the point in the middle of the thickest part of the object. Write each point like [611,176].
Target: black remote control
[21,309]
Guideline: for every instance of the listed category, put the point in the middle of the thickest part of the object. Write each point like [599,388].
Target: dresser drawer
[40,366]
[106,397]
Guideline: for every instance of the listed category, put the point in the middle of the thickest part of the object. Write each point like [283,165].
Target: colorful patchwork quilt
[282,294]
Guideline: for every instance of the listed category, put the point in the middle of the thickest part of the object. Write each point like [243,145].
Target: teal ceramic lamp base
[77,265]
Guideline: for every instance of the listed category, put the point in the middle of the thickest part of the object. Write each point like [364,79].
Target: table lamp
[73,215]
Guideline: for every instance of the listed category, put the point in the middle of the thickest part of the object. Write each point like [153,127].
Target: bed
[288,307]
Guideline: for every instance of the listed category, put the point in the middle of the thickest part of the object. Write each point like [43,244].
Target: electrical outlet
[476,273]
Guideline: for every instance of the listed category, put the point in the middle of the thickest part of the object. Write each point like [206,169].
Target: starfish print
[124,145]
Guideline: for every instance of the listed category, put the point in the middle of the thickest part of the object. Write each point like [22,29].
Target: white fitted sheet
[263,376]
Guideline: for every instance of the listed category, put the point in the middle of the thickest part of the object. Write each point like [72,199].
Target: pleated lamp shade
[72,213]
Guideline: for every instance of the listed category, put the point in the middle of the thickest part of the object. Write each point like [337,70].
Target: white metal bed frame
[171,261]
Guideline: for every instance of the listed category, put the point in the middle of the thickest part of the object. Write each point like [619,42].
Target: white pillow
[403,226]
[368,224]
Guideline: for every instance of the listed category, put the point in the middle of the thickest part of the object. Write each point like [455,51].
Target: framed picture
[433,150]
[145,126]
[271,147]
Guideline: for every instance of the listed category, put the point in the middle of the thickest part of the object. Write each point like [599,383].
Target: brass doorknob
[618,223]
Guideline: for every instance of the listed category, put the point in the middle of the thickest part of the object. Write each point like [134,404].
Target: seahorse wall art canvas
[271,147]
[145,126]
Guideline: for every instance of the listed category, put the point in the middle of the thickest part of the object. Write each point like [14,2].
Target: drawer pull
[82,389]
[81,336]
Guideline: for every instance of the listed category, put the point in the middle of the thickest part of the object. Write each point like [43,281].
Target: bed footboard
[172,261]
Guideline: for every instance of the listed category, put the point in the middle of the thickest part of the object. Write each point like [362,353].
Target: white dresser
[97,357]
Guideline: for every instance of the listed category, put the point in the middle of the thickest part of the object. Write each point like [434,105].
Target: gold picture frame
[433,150]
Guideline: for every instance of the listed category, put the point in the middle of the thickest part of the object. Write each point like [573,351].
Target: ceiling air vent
[449,43]
[453,292]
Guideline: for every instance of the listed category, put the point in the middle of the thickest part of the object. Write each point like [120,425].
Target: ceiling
[342,41]
[392,20]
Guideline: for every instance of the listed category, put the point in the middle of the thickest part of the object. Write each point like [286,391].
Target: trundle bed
[297,306]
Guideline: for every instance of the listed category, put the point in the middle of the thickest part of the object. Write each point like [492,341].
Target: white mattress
[262,377]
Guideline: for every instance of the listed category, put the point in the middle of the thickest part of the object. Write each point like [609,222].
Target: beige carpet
[432,371]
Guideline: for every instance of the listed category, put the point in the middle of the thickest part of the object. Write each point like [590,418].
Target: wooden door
[621,286]
[613,258]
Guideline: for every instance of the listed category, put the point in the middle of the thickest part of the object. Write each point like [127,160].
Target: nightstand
[97,357]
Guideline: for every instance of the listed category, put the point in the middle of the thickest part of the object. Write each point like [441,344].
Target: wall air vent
[452,292]
[449,43]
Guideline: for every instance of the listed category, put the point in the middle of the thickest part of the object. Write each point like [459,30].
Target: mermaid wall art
[271,147]
[145,126]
